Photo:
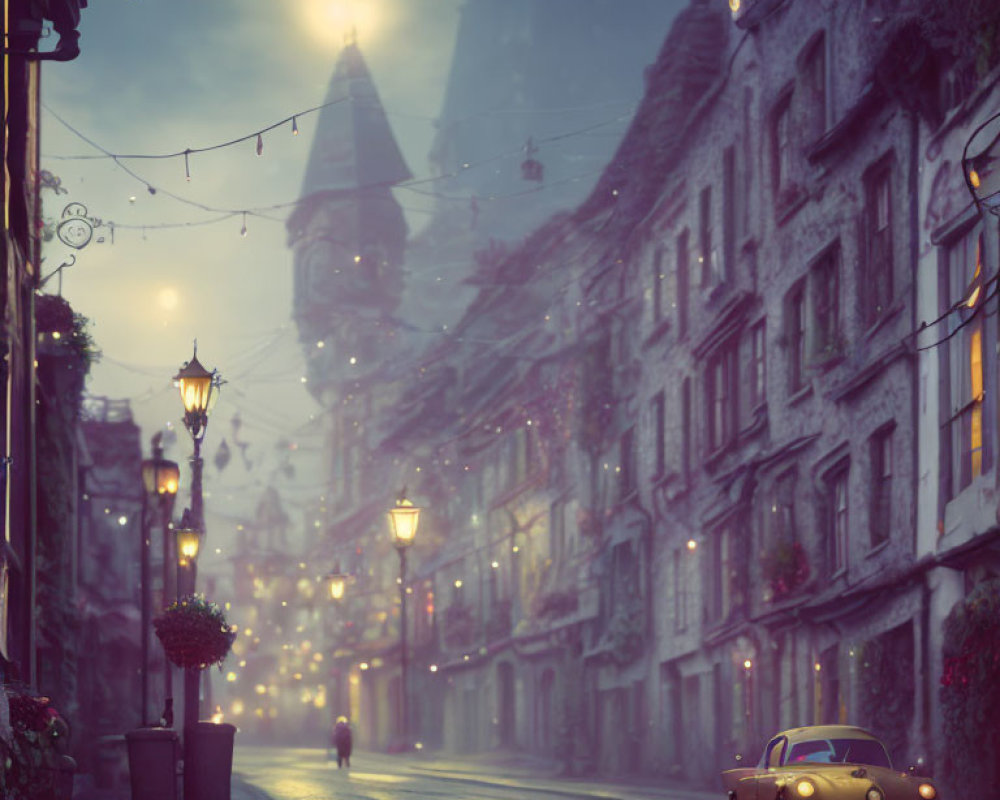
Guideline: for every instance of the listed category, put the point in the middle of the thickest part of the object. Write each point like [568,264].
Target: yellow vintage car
[826,762]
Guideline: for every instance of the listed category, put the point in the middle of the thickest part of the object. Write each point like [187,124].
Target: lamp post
[337,587]
[403,519]
[199,389]
[160,479]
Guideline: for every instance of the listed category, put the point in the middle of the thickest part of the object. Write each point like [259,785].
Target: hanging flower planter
[194,633]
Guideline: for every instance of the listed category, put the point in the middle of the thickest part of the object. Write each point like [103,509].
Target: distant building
[108,580]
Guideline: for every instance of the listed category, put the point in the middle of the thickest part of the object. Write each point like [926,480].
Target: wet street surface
[274,773]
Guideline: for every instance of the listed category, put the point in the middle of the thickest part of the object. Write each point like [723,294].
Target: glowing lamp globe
[403,519]
[196,386]
[160,477]
[338,585]
[188,543]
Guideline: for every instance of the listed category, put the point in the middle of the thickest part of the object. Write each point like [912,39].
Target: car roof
[827,732]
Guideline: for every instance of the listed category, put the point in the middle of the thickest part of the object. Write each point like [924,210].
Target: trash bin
[152,763]
[208,760]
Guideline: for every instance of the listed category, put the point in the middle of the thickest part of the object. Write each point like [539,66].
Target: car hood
[854,778]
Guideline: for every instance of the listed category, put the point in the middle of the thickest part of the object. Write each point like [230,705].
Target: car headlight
[927,791]
[805,788]
[874,793]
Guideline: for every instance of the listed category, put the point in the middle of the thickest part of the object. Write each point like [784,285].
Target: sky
[157,78]
[194,249]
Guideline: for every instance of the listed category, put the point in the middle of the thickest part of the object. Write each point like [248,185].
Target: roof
[354,146]
[828,732]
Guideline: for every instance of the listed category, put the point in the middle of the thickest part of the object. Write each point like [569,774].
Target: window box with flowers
[34,764]
[785,568]
[194,633]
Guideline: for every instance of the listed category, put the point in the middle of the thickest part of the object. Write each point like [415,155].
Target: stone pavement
[515,771]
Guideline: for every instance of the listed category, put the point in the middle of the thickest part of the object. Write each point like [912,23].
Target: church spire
[348,232]
[354,146]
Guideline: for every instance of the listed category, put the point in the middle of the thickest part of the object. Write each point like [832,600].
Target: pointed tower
[348,232]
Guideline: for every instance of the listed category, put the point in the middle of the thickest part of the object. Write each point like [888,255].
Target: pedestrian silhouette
[342,741]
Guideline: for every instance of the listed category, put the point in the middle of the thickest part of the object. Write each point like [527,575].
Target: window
[723,583]
[757,368]
[837,520]
[657,286]
[721,385]
[730,200]
[683,283]
[781,527]
[795,337]
[557,532]
[876,285]
[967,425]
[680,591]
[824,281]
[627,463]
[829,709]
[813,71]
[686,430]
[880,515]
[743,174]
[781,149]
[705,236]
[660,421]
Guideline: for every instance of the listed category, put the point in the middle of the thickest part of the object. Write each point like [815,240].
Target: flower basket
[194,633]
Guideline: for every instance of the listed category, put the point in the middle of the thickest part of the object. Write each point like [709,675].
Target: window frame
[683,280]
[757,365]
[781,145]
[722,383]
[880,445]
[838,515]
[877,284]
[795,336]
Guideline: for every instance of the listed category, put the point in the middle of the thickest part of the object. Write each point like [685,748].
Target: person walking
[342,741]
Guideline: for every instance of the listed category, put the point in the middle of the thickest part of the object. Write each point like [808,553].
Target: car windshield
[839,751]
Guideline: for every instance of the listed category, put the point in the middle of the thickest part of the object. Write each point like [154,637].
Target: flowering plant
[785,568]
[33,739]
[194,633]
[969,693]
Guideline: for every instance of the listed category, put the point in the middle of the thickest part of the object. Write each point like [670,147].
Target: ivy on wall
[970,692]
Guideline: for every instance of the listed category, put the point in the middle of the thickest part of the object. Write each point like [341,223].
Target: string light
[295,127]
[260,144]
[187,166]
[243,230]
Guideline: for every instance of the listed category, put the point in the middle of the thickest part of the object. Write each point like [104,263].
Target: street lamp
[199,390]
[337,582]
[188,544]
[160,479]
[337,587]
[403,519]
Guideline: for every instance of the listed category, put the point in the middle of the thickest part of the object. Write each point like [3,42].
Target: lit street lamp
[199,389]
[337,582]
[337,587]
[160,479]
[403,519]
